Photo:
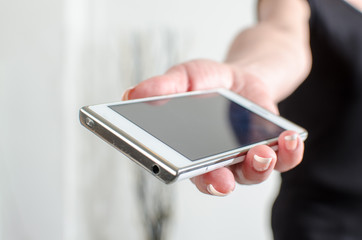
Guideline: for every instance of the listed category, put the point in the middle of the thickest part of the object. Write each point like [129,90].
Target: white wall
[60,182]
[31,61]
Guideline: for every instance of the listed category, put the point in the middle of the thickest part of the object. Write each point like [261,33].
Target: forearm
[276,50]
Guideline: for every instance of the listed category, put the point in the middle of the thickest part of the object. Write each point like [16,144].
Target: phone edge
[167,173]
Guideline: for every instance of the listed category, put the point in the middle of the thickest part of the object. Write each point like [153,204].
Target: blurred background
[59,181]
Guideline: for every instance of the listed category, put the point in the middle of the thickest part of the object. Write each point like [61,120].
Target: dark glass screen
[201,125]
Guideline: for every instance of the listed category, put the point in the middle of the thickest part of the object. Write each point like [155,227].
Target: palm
[206,74]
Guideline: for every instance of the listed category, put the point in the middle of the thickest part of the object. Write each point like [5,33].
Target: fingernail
[126,93]
[213,191]
[291,141]
[261,164]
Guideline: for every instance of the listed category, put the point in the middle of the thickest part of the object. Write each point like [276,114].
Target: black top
[322,198]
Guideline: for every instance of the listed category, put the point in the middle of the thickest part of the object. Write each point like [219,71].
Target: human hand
[260,160]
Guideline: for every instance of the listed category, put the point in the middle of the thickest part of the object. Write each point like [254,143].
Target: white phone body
[183,135]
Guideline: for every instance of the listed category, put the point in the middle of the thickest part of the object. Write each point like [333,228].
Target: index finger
[190,76]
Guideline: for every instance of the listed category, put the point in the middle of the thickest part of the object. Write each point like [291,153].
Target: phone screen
[199,126]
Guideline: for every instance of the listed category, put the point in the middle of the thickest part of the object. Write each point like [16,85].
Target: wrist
[277,57]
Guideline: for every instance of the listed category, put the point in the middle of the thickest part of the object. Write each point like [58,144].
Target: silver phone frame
[158,158]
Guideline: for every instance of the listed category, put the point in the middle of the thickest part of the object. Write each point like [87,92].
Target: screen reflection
[199,126]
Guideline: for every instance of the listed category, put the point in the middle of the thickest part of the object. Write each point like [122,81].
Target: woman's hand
[206,74]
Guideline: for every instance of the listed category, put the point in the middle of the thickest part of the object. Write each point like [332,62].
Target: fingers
[261,160]
[258,165]
[193,75]
[171,82]
[219,182]
[290,151]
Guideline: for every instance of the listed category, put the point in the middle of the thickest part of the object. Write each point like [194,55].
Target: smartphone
[179,136]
